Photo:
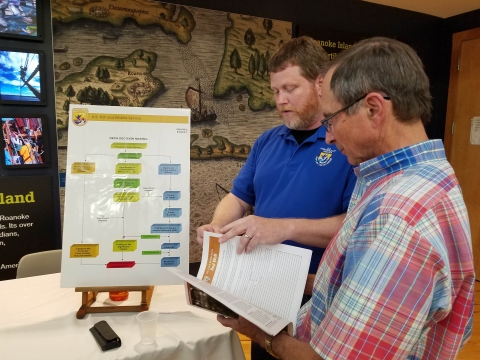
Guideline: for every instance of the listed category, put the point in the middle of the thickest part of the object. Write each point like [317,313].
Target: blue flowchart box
[169,169]
[170,245]
[172,212]
[170,262]
[171,195]
[63,177]
[165,228]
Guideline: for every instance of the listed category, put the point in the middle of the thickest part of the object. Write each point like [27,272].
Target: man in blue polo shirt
[299,185]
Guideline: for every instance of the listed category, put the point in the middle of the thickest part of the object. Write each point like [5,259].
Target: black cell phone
[106,338]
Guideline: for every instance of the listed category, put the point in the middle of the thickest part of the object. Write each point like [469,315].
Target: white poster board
[127,201]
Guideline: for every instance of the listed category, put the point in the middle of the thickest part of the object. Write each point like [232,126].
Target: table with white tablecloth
[38,321]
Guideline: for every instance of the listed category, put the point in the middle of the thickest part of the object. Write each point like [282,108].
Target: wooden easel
[89,296]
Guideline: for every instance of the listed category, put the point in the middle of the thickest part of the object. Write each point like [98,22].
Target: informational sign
[26,220]
[128,196]
[332,41]
[475,131]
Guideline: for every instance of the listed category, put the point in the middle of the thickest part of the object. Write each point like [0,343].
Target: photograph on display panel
[21,19]
[22,77]
[24,142]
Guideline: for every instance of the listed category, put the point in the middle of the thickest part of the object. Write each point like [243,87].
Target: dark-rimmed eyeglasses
[326,122]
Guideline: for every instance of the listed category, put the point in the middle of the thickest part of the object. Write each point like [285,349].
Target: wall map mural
[155,54]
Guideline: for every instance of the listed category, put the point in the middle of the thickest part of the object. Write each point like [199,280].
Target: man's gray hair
[387,66]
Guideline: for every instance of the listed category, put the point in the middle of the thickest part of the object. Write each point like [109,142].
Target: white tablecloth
[38,321]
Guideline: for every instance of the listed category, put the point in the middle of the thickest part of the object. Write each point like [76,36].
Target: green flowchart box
[129,156]
[126,183]
[150,236]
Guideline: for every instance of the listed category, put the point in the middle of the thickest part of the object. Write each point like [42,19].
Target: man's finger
[243,243]
[250,246]
[227,236]
[234,231]
[227,322]
[231,225]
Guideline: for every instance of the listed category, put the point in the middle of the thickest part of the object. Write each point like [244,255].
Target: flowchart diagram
[127,196]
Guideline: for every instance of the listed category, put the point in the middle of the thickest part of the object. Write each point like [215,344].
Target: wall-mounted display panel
[26,220]
[24,142]
[22,75]
[21,19]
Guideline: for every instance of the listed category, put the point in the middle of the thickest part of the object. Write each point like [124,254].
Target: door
[463,106]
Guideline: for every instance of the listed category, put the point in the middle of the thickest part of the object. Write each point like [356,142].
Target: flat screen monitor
[25,142]
[21,19]
[22,77]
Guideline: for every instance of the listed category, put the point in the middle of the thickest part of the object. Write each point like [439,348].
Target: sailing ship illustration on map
[200,111]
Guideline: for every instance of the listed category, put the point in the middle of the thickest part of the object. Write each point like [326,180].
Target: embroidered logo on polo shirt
[325,156]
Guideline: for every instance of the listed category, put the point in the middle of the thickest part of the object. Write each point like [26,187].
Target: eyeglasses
[326,122]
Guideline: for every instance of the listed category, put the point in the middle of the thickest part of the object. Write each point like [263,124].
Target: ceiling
[440,8]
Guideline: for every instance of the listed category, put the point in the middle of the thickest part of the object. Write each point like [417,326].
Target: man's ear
[376,108]
[318,84]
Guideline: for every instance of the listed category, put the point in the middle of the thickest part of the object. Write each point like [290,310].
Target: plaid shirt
[397,280]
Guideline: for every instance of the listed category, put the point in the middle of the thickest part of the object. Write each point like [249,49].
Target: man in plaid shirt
[397,280]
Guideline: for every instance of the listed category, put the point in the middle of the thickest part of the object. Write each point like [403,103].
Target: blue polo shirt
[285,180]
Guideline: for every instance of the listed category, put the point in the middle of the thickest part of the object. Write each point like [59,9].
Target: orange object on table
[118,295]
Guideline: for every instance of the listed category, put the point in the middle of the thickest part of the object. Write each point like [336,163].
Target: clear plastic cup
[147,320]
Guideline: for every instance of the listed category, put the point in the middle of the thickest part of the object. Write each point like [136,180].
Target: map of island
[108,80]
[116,11]
[210,61]
[223,148]
[249,43]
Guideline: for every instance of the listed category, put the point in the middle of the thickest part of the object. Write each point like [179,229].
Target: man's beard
[304,116]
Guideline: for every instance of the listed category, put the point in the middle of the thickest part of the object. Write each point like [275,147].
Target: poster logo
[79,116]
[325,156]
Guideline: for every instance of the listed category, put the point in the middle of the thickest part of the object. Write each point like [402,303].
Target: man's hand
[259,230]
[283,345]
[229,209]
[255,230]
[244,327]
[208,227]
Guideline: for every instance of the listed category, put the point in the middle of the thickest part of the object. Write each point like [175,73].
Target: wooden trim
[457,40]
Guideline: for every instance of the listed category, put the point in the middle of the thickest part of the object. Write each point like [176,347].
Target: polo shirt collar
[287,133]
